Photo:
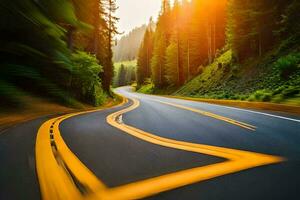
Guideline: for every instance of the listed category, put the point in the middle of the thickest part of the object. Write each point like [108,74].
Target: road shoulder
[43,108]
[262,106]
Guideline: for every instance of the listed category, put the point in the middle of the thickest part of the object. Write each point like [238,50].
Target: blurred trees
[43,45]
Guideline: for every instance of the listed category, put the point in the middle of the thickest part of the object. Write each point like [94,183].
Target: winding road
[154,147]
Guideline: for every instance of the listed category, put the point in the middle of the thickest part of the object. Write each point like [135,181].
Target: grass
[272,78]
[147,89]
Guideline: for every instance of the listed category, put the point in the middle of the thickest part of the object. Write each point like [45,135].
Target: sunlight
[149,99]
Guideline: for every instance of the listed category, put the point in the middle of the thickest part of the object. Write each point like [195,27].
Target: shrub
[146,89]
[291,91]
[288,64]
[85,81]
[200,70]
[261,95]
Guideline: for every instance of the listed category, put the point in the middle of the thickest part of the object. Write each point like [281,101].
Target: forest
[58,49]
[225,49]
[127,46]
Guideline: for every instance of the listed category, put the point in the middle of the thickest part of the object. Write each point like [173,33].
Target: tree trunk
[70,38]
[188,60]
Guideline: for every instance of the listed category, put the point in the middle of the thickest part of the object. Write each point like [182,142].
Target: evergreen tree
[171,64]
[145,55]
[161,39]
[107,74]
[158,60]
[122,76]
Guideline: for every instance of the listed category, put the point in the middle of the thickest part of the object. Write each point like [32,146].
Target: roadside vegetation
[125,73]
[224,50]
[223,80]
[56,51]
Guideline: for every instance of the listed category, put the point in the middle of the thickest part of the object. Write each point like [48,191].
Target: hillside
[224,50]
[259,80]
[128,46]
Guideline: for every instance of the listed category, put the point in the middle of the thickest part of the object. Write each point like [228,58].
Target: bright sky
[134,13]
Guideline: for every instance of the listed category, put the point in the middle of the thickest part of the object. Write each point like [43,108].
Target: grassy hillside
[272,78]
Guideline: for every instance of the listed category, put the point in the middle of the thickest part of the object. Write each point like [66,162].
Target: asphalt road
[118,158]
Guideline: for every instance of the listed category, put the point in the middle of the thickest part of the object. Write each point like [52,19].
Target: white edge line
[234,108]
[240,109]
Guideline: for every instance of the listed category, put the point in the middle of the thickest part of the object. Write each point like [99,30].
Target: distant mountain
[127,47]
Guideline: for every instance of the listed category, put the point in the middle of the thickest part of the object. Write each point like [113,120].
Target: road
[155,147]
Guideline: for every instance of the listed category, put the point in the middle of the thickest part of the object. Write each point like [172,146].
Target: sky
[133,13]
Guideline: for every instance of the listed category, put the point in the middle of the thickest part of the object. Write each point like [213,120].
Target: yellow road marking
[56,183]
[209,114]
[237,161]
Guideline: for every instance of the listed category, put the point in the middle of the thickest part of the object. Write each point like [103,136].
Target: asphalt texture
[18,179]
[117,158]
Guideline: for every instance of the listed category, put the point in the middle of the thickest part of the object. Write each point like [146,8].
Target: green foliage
[144,55]
[85,81]
[34,56]
[288,64]
[261,95]
[261,83]
[172,64]
[281,94]
[290,26]
[188,34]
[260,61]
[122,76]
[158,60]
[37,41]
[146,89]
[128,74]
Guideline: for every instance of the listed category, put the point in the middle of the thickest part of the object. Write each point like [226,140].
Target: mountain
[128,46]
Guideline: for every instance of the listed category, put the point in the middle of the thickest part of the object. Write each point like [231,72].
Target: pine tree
[145,55]
[91,39]
[161,39]
[107,74]
[171,64]
[252,25]
[122,76]
[178,35]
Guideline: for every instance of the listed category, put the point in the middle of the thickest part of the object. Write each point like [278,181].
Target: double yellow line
[212,115]
[63,176]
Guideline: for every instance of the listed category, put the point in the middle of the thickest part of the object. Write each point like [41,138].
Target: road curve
[217,152]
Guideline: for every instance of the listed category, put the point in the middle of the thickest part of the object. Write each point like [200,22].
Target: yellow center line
[54,178]
[209,114]
[237,161]
[56,183]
